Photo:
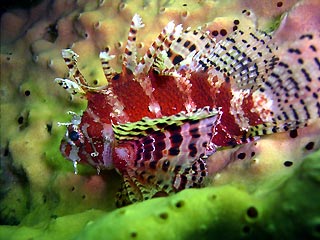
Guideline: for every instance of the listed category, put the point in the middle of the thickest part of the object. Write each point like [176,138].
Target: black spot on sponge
[52,33]
[27,93]
[180,204]
[242,155]
[49,127]
[44,198]
[133,234]
[20,120]
[246,229]
[23,120]
[309,146]
[288,163]
[317,228]
[279,4]
[252,212]
[164,215]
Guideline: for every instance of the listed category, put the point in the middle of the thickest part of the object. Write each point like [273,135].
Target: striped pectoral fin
[289,98]
[246,57]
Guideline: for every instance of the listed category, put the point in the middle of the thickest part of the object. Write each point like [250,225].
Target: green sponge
[291,211]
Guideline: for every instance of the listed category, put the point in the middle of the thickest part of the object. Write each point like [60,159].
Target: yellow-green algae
[41,198]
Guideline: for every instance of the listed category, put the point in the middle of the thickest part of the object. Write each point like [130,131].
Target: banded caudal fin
[167,153]
[292,89]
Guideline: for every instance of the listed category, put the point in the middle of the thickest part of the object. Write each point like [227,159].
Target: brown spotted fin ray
[79,85]
[292,89]
[182,51]
[169,33]
[130,53]
[169,151]
[108,71]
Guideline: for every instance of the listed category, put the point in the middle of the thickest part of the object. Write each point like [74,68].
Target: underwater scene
[160,119]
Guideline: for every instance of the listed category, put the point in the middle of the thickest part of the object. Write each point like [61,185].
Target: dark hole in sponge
[6,150]
[27,93]
[133,234]
[23,120]
[310,146]
[288,163]
[279,4]
[252,212]
[20,120]
[163,215]
[179,204]
[242,155]
[246,229]
[52,33]
[49,127]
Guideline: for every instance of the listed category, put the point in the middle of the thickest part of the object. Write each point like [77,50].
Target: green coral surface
[290,211]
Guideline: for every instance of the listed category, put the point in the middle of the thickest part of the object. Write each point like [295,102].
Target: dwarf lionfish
[158,120]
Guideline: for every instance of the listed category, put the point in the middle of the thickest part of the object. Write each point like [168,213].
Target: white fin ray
[130,54]
[108,71]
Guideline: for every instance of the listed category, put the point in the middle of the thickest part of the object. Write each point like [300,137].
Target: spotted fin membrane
[293,86]
[232,92]
[285,91]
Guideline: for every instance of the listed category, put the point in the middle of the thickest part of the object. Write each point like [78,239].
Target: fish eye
[74,135]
